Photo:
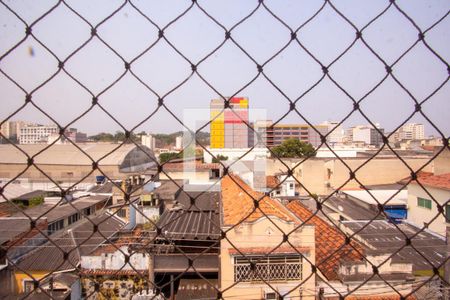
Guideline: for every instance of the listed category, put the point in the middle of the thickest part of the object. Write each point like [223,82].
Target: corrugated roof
[12,228]
[53,213]
[328,240]
[181,224]
[78,241]
[238,205]
[66,154]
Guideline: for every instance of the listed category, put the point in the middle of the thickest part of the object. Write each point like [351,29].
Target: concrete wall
[57,172]
[441,163]
[420,215]
[322,176]
[263,233]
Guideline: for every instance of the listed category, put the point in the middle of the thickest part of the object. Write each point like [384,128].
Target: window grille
[271,268]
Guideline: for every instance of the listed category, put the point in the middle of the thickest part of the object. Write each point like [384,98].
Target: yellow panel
[243,103]
[217,113]
[217,126]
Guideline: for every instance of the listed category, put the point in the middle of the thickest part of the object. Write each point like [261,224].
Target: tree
[163,157]
[294,148]
[219,158]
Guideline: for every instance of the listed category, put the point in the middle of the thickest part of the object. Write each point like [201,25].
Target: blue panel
[396,211]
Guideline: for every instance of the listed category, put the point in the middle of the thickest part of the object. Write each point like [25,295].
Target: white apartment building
[11,129]
[36,133]
[337,135]
[368,135]
[411,131]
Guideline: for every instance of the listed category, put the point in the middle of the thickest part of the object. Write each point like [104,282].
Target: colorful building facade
[228,126]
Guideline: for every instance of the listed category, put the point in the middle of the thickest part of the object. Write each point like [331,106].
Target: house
[343,266]
[63,253]
[63,213]
[267,251]
[194,172]
[429,201]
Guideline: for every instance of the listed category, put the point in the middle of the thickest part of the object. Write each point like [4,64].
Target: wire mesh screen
[140,232]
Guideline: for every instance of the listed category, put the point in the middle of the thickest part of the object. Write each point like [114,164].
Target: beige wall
[193,177]
[420,215]
[441,163]
[256,234]
[57,172]
[317,173]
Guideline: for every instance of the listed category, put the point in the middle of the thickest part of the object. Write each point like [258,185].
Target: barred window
[271,268]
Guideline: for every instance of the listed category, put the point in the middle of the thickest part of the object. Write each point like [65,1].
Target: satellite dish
[340,208]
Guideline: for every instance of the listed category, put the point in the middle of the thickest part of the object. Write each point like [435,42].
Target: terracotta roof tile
[272,182]
[436,181]
[238,205]
[327,239]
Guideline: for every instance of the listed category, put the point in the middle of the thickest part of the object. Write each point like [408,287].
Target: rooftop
[78,241]
[427,179]
[386,238]
[351,211]
[68,154]
[373,197]
[328,240]
[56,212]
[238,203]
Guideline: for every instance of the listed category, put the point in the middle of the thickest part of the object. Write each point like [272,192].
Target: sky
[229,69]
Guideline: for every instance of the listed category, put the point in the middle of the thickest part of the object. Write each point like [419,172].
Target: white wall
[420,215]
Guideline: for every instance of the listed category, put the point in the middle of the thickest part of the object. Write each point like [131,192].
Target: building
[58,256]
[336,132]
[11,130]
[179,142]
[411,131]
[66,162]
[254,252]
[368,135]
[423,205]
[149,141]
[275,134]
[36,133]
[228,126]
[71,134]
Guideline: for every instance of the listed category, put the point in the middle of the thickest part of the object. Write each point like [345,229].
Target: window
[122,213]
[447,213]
[73,218]
[28,286]
[425,203]
[58,225]
[291,186]
[272,268]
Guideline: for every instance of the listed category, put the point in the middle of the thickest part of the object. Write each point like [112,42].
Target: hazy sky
[228,69]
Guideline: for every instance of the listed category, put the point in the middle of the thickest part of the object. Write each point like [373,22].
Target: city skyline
[293,71]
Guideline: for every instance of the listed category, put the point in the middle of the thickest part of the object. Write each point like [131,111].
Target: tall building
[411,131]
[367,134]
[274,135]
[148,140]
[228,128]
[11,129]
[337,135]
[36,133]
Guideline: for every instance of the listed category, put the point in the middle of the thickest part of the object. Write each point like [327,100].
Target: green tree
[294,148]
[164,157]
[219,158]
